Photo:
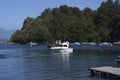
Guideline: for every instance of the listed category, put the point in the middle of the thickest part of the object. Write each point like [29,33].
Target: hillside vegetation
[72,24]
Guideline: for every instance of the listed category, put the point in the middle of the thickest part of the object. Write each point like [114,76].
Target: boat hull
[63,50]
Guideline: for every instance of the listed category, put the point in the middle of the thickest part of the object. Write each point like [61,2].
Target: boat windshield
[65,45]
[62,45]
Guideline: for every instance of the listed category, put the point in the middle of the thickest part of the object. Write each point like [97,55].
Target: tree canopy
[72,24]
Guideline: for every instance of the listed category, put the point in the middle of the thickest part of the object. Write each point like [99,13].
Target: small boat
[62,46]
[76,43]
[105,44]
[32,44]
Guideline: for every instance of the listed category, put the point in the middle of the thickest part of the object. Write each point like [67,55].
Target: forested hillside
[72,24]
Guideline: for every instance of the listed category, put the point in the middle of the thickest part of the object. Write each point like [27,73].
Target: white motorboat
[105,44]
[61,46]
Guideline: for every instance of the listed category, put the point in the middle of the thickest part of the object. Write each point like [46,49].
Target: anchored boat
[63,46]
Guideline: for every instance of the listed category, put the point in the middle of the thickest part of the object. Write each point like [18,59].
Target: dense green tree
[27,23]
[72,24]
[106,20]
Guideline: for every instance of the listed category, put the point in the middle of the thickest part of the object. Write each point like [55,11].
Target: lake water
[22,62]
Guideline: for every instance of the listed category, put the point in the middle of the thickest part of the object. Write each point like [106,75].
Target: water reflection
[62,54]
[64,57]
[66,62]
[37,64]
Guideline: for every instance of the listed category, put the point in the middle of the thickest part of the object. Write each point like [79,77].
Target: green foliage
[107,20]
[71,24]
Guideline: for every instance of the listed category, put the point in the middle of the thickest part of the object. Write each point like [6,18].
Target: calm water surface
[22,62]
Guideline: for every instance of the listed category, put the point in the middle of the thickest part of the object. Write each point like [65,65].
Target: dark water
[22,62]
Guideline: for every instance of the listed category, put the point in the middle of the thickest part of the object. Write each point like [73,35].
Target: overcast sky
[13,12]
